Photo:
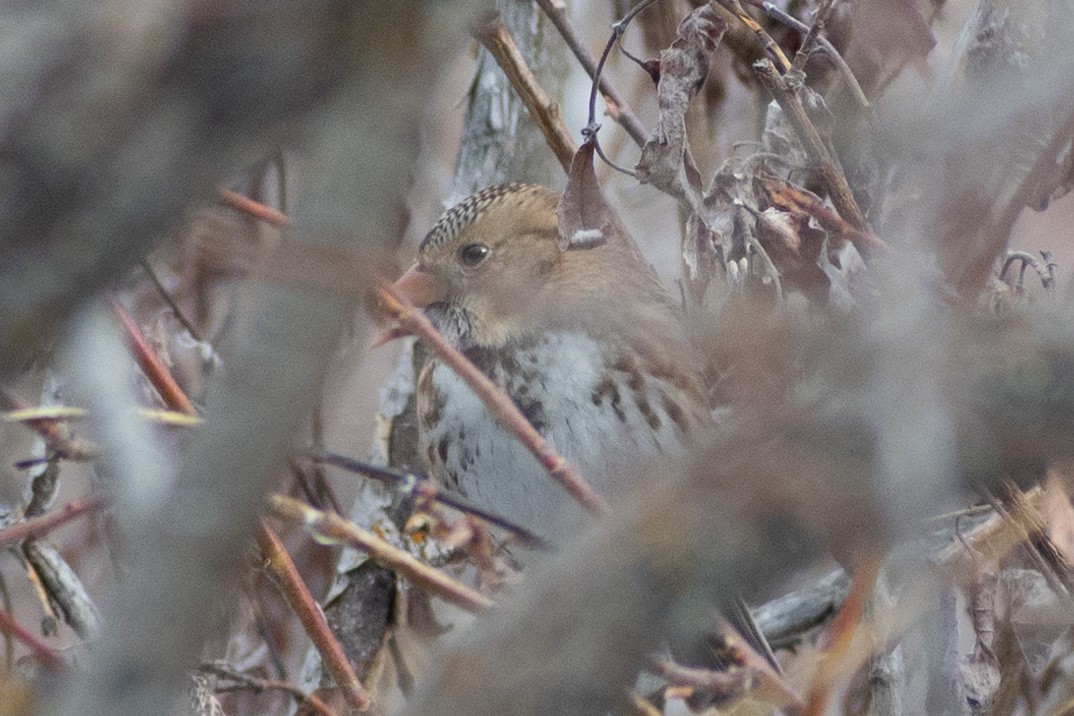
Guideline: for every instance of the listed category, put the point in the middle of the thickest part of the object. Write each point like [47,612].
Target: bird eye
[473,254]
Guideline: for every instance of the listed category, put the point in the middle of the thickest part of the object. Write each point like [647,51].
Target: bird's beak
[421,288]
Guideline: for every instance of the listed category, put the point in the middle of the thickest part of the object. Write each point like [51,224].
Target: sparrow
[587,343]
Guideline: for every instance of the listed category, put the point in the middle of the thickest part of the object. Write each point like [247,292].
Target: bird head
[490,272]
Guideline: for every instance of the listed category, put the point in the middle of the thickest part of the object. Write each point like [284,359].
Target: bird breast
[602,406]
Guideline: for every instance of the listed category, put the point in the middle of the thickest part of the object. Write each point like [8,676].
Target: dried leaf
[583,214]
[665,159]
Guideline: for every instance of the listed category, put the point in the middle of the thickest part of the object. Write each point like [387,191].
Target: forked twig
[334,527]
[242,680]
[780,15]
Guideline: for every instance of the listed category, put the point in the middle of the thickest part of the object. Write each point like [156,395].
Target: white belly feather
[607,425]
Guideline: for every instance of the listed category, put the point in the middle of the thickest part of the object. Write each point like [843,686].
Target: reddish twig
[43,524]
[771,47]
[155,370]
[312,618]
[336,528]
[841,634]
[41,651]
[782,16]
[254,208]
[496,400]
[497,39]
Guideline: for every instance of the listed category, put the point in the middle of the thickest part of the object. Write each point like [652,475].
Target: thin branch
[255,209]
[167,298]
[784,90]
[312,618]
[252,682]
[42,652]
[334,527]
[617,31]
[43,524]
[416,485]
[812,35]
[771,47]
[497,39]
[155,370]
[781,15]
[496,400]
[616,107]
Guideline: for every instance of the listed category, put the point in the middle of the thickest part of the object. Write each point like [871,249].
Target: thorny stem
[497,39]
[785,93]
[415,485]
[618,29]
[312,618]
[334,527]
[616,106]
[496,400]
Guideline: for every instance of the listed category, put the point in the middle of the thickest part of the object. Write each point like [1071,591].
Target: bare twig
[336,528]
[155,370]
[312,618]
[67,413]
[771,47]
[40,650]
[255,209]
[252,682]
[496,400]
[497,39]
[43,524]
[616,107]
[781,15]
[167,298]
[55,434]
[812,35]
[419,486]
[784,90]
